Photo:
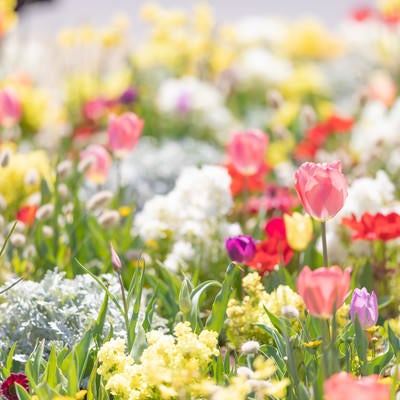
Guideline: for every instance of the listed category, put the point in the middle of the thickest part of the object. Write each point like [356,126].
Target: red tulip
[100,164]
[246,151]
[343,386]
[324,289]
[123,133]
[10,108]
[322,189]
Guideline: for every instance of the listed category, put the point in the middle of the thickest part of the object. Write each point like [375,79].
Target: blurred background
[48,16]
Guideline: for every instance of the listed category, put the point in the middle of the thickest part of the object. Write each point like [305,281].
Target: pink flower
[324,289]
[10,108]
[123,133]
[246,151]
[322,189]
[99,163]
[343,386]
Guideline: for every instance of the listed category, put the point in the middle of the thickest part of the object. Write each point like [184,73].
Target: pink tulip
[10,108]
[324,289]
[322,189]
[246,151]
[123,133]
[100,164]
[343,386]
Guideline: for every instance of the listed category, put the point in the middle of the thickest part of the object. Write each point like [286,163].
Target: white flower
[187,94]
[258,64]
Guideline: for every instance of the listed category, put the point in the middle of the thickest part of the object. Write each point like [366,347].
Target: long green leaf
[216,319]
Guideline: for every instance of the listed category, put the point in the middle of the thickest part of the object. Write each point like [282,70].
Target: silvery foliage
[152,168]
[56,309]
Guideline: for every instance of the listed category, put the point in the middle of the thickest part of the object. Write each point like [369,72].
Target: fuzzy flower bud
[45,212]
[250,347]
[64,169]
[109,218]
[99,200]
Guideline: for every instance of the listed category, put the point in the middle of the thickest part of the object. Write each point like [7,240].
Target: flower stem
[125,304]
[324,245]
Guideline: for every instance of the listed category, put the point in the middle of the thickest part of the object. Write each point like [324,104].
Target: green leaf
[361,343]
[22,394]
[9,361]
[195,296]
[140,344]
[101,284]
[50,374]
[99,326]
[393,340]
[216,319]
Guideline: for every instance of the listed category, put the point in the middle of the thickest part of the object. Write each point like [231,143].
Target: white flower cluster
[191,95]
[193,214]
[377,128]
[364,195]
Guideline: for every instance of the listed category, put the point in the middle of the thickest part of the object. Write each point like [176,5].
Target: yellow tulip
[299,230]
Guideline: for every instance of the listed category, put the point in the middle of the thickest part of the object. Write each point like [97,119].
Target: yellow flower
[306,79]
[7,16]
[312,344]
[279,151]
[389,6]
[299,230]
[308,38]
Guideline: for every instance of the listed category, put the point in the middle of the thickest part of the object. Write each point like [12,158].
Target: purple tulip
[240,248]
[128,96]
[365,306]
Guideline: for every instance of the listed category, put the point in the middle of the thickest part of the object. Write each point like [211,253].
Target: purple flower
[240,248]
[365,306]
[128,96]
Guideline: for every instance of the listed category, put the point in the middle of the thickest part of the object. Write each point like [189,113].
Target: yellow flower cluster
[242,315]
[199,47]
[307,38]
[389,7]
[171,366]
[87,35]
[259,382]
[7,16]
[23,174]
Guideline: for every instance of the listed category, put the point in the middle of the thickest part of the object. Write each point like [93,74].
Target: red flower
[274,198]
[27,214]
[8,386]
[362,14]
[239,182]
[317,135]
[374,227]
[274,250]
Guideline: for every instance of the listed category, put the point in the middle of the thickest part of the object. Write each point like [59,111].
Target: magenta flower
[240,248]
[365,306]
[8,386]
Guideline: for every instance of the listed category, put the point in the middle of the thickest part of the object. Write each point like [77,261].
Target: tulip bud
[10,108]
[322,189]
[365,306]
[95,163]
[115,260]
[323,290]
[185,302]
[123,133]
[299,230]
[240,248]
[345,386]
[247,150]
